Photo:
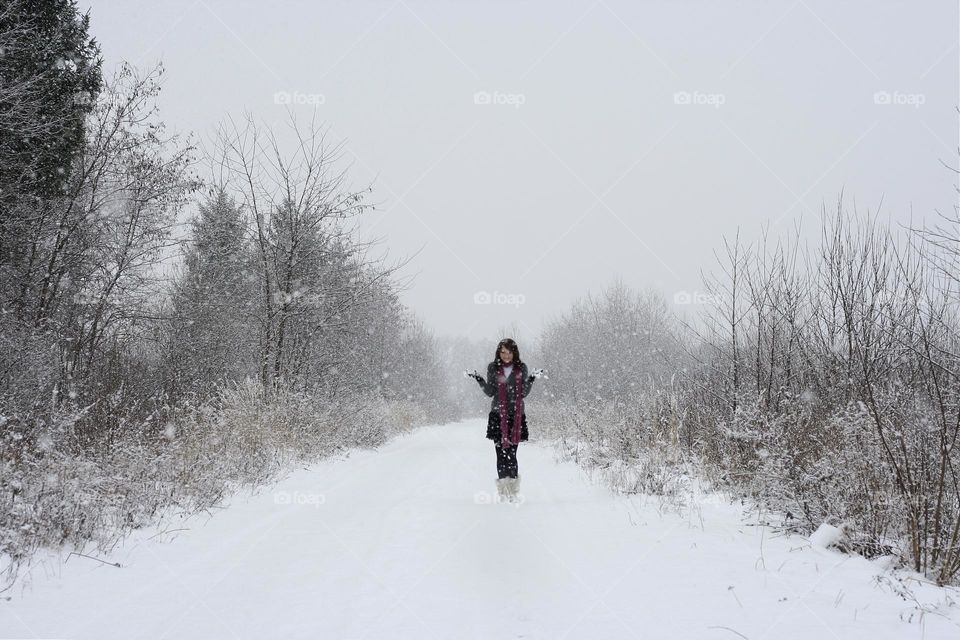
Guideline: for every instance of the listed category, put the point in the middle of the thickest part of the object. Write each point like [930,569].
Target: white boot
[503,489]
[514,488]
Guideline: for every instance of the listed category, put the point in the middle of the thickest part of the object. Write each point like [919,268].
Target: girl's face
[506,356]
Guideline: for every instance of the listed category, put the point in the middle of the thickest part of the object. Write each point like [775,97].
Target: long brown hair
[512,347]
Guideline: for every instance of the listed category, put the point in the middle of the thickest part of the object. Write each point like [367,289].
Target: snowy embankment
[404,542]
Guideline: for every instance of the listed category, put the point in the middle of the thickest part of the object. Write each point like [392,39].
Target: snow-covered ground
[403,542]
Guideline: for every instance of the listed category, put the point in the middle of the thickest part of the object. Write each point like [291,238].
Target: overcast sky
[532,151]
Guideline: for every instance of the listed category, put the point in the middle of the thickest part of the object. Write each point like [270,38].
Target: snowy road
[394,543]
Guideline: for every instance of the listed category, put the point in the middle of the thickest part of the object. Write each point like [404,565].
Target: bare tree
[310,273]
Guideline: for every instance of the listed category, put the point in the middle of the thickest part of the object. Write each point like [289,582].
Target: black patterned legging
[506,461]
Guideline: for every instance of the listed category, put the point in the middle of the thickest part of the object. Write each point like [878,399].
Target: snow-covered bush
[616,446]
[812,468]
[51,496]
[823,384]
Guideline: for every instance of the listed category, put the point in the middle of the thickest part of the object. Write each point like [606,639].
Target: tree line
[163,304]
[820,380]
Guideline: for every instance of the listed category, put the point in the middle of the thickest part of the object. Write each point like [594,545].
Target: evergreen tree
[211,340]
[50,76]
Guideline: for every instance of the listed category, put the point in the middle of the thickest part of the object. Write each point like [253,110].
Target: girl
[508,383]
